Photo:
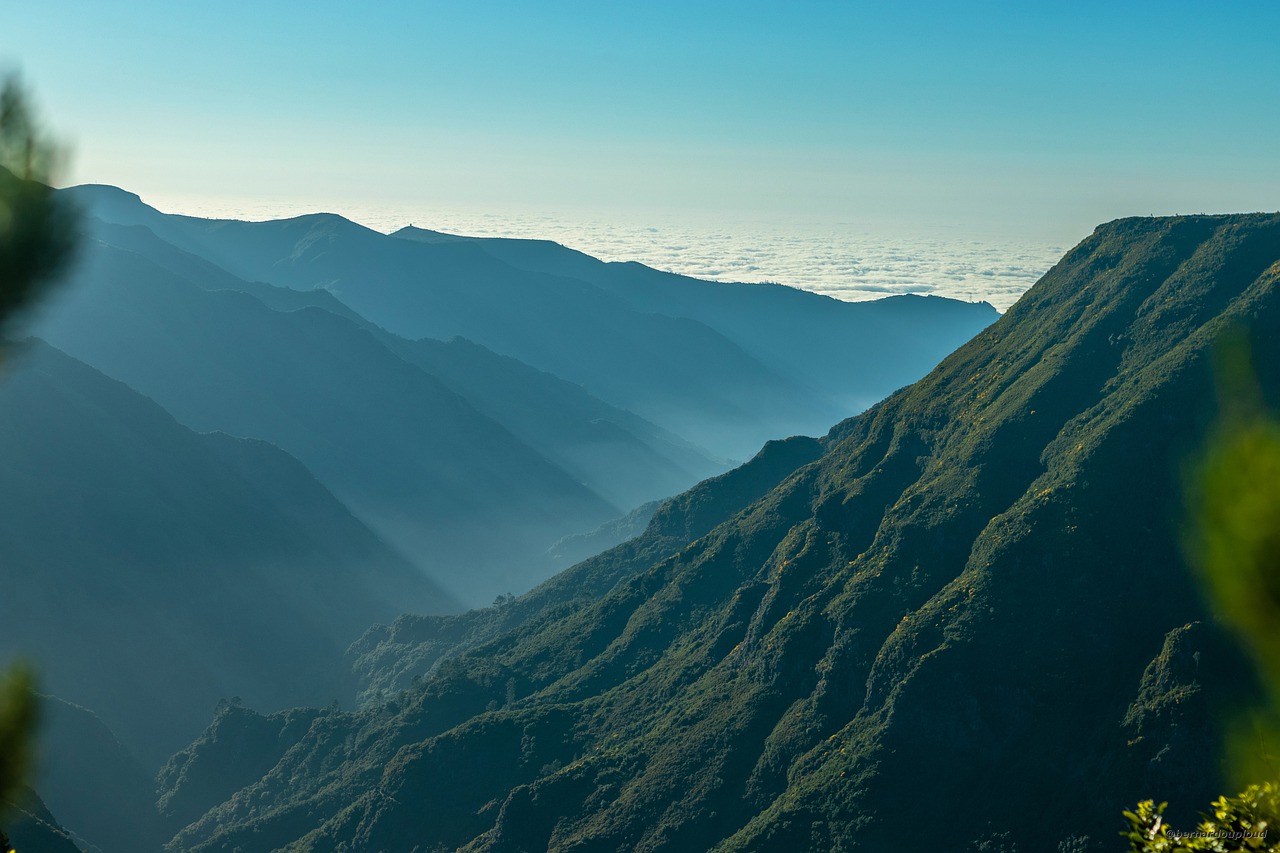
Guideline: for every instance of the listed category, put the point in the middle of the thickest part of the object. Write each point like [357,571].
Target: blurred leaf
[17,723]
[37,234]
[1235,546]
[37,229]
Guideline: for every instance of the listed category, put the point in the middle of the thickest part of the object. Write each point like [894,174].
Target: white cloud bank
[847,262]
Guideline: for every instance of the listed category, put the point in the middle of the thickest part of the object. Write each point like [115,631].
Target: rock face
[967,625]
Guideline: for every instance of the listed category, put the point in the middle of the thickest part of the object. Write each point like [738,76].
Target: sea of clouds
[846,261]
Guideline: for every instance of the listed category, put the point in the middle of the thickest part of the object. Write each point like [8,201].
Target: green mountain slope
[967,625]
[150,571]
[387,659]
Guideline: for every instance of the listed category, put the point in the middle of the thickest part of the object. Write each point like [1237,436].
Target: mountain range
[219,472]
[161,570]
[405,453]
[436,444]
[727,367]
[960,620]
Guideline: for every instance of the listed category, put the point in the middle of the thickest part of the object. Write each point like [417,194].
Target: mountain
[411,458]
[619,455]
[967,625]
[96,787]
[388,658]
[156,571]
[729,394]
[32,829]
[850,354]
[614,452]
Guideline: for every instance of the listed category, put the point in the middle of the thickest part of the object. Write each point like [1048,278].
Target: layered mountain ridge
[215,482]
[887,347]
[439,444]
[967,623]
[410,457]
[722,369]
[161,570]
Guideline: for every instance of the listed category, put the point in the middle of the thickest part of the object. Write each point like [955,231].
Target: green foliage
[37,230]
[956,596]
[17,721]
[1248,822]
[36,237]
[1235,545]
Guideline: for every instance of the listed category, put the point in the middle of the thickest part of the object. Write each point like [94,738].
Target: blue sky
[1050,117]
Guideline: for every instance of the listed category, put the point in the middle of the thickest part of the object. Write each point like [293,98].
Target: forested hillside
[967,624]
[218,473]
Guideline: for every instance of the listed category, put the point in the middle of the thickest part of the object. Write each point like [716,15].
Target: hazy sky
[1036,117]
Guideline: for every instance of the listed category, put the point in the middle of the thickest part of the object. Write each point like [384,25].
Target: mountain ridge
[492,383]
[623,340]
[145,554]
[975,594]
[408,455]
[751,315]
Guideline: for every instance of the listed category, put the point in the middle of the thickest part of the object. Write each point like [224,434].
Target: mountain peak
[111,203]
[426,235]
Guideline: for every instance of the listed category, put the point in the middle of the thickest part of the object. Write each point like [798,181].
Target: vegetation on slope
[970,617]
[1235,543]
[388,659]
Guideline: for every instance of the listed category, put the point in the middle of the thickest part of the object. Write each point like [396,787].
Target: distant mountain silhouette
[634,347]
[620,455]
[410,457]
[848,354]
[614,452]
[159,570]
[91,781]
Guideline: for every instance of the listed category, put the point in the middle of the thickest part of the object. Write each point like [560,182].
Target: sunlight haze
[997,119]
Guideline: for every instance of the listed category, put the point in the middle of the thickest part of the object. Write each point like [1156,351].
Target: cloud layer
[844,261]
